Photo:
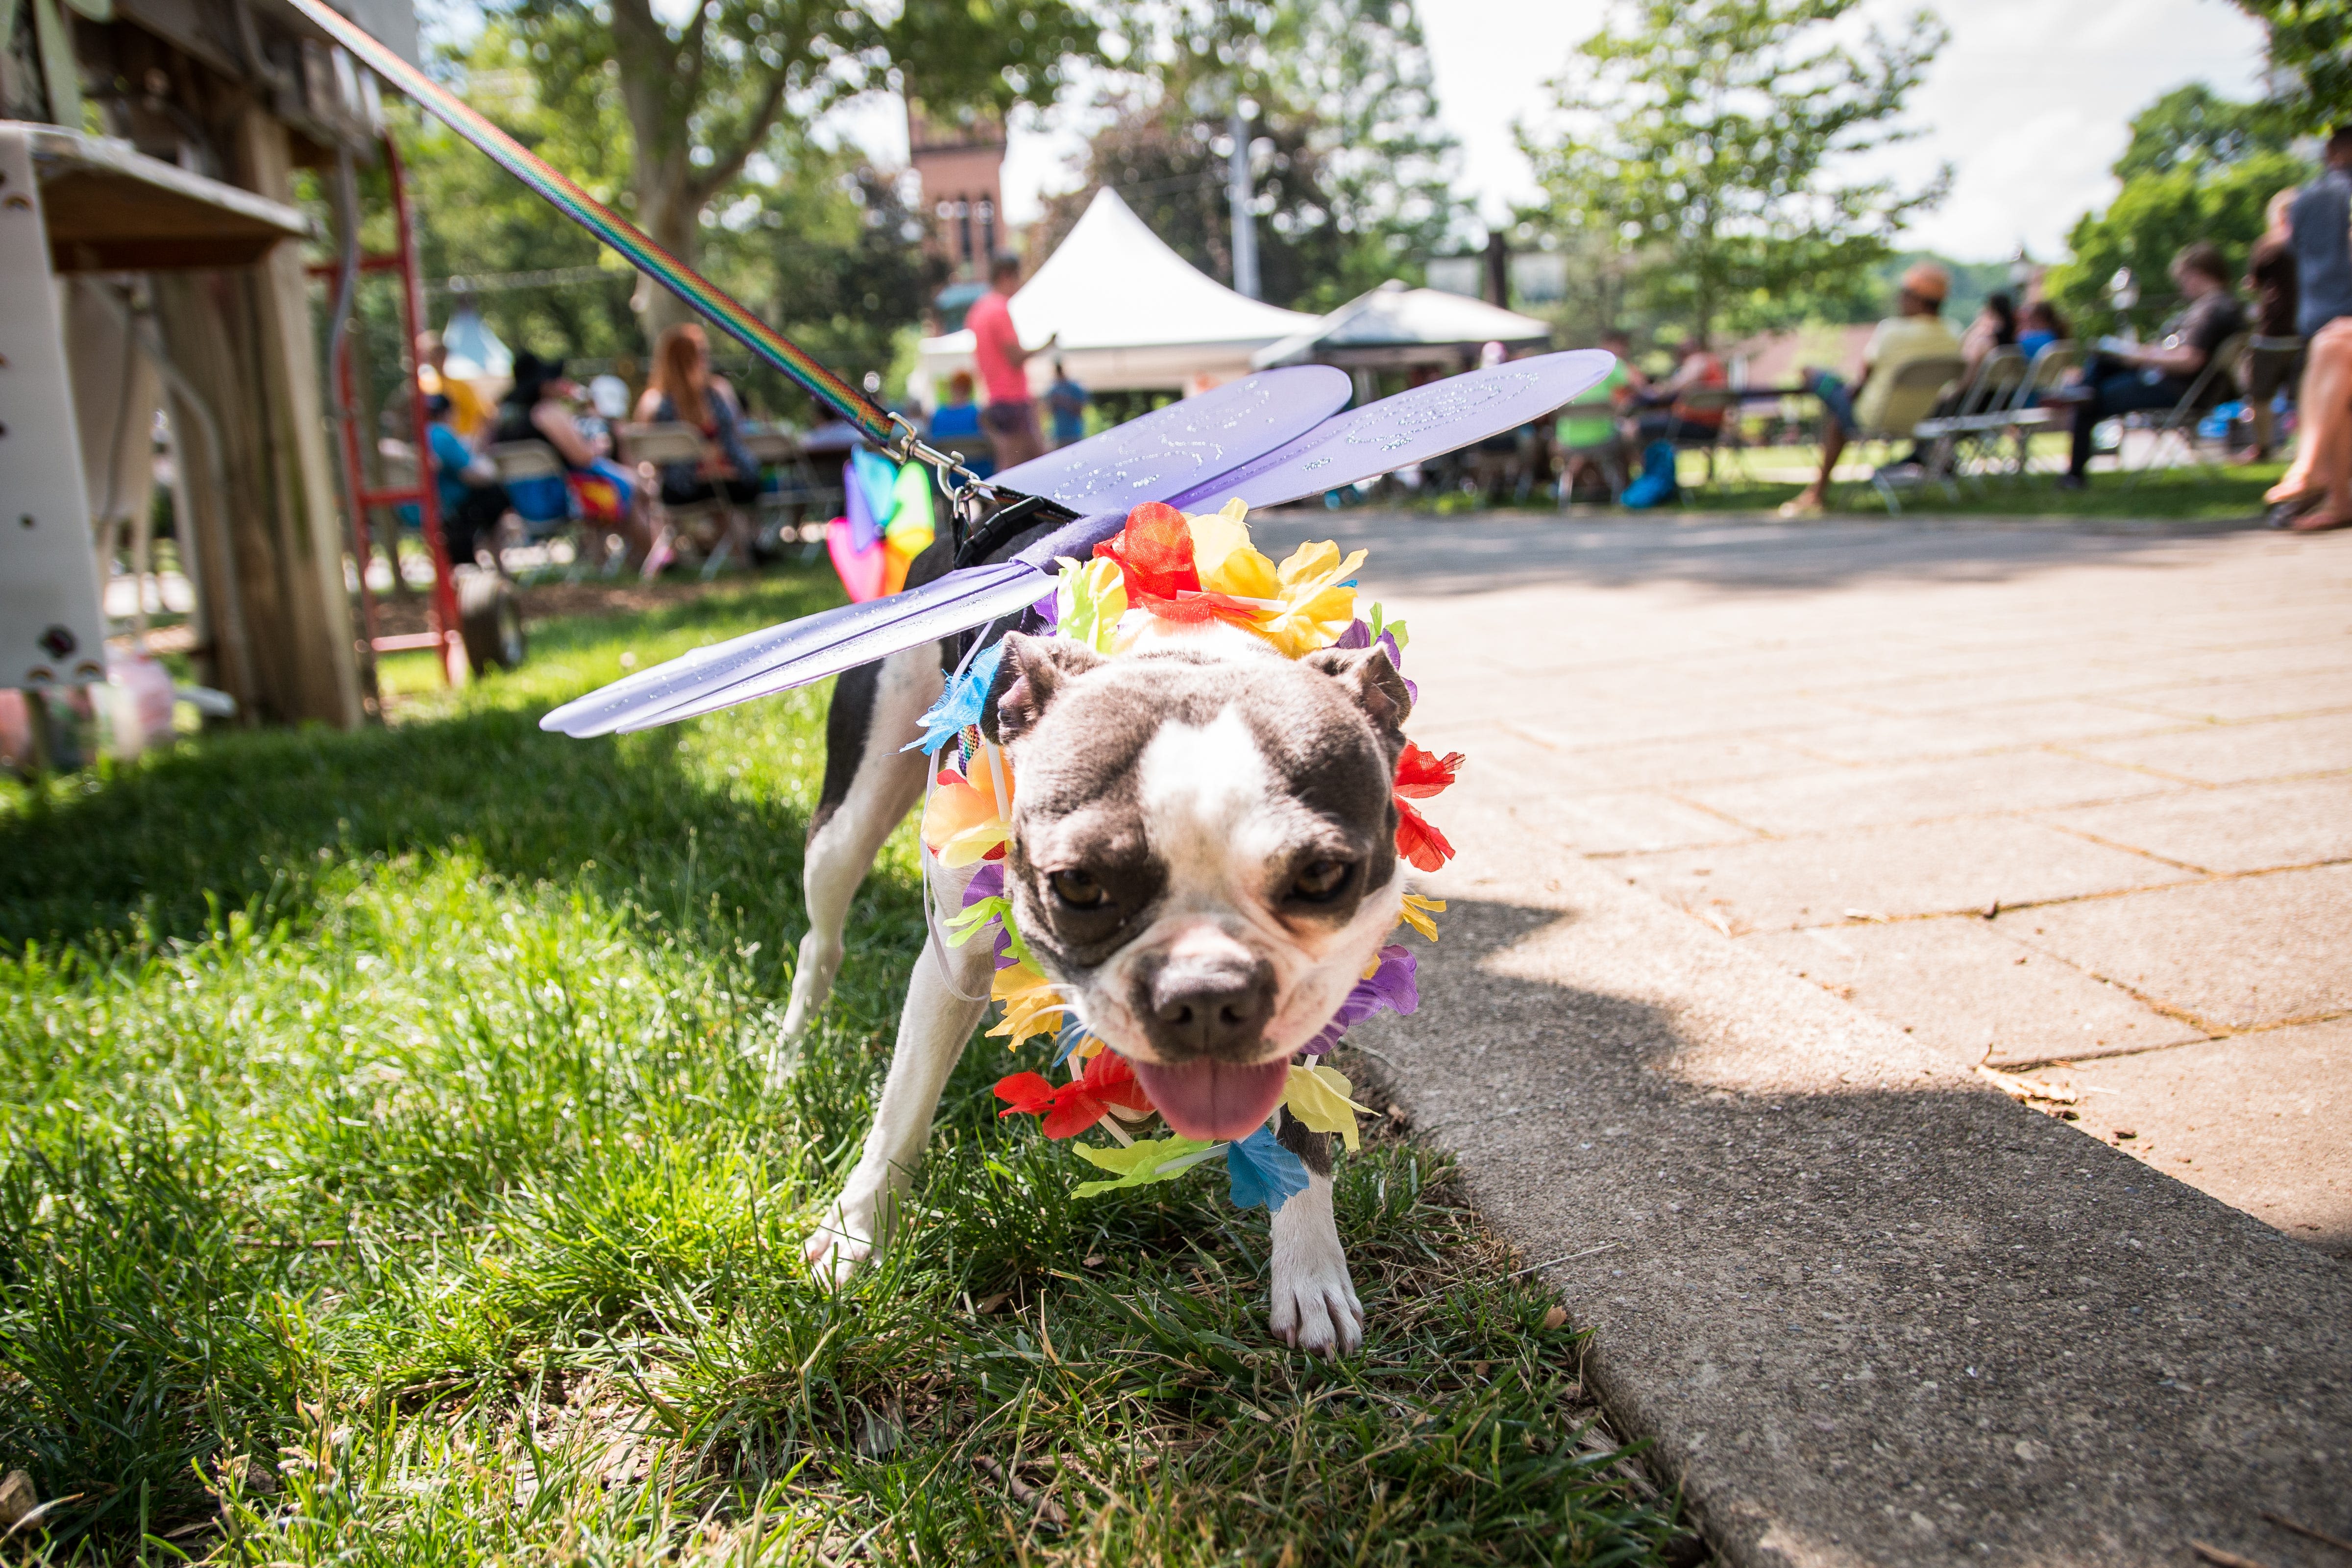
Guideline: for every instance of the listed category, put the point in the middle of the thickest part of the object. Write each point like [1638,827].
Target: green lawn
[1757,479]
[397,1166]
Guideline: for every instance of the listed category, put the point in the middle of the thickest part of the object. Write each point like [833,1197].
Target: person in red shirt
[1011,415]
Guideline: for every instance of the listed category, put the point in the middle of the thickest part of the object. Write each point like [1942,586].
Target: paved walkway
[1868,1309]
[2074,804]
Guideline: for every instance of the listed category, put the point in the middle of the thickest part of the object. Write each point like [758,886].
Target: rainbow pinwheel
[1164,566]
[887,522]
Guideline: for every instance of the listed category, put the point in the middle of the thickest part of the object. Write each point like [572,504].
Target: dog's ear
[1371,683]
[1031,671]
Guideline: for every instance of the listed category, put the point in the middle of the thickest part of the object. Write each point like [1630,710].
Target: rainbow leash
[566,198]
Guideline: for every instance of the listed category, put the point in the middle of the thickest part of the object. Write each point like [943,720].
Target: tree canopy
[2199,167]
[1701,146]
[2311,59]
[700,99]
[1349,168]
[812,238]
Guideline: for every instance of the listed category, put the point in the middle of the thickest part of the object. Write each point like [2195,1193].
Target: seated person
[2317,493]
[537,408]
[1678,420]
[2275,356]
[2157,375]
[2041,326]
[472,499]
[1916,332]
[684,391]
[1589,447]
[955,426]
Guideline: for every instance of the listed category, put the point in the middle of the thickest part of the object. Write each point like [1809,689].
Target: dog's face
[1204,854]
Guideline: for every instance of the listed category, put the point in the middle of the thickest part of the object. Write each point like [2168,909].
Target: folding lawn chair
[1974,420]
[541,499]
[1911,396]
[713,527]
[2179,422]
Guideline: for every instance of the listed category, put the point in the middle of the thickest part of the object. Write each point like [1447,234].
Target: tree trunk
[669,205]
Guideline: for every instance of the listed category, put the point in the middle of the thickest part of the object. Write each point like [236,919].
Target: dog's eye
[1076,888]
[1320,881]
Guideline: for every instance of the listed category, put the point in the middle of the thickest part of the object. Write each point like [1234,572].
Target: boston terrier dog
[1202,859]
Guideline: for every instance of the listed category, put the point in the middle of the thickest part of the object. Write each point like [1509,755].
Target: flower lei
[1167,566]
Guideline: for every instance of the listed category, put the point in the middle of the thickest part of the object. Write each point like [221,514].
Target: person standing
[1011,415]
[2274,356]
[2319,229]
[1066,400]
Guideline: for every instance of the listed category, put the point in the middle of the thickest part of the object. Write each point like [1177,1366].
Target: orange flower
[965,820]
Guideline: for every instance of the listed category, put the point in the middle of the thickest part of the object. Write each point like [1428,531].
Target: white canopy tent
[1396,326]
[1129,312]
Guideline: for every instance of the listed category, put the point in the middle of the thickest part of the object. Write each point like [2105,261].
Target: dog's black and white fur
[1204,858]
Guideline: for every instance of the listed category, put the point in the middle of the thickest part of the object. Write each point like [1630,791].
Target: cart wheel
[490,618]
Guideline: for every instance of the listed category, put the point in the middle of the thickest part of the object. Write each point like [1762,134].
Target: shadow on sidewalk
[1870,1323]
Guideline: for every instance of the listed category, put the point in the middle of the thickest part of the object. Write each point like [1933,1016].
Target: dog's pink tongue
[1214,1100]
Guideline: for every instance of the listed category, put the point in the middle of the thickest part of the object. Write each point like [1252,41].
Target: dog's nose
[1202,1006]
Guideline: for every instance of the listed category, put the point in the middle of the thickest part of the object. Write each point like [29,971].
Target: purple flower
[988,882]
[1390,986]
[1358,634]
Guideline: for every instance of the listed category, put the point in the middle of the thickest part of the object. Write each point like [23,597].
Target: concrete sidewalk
[1870,1310]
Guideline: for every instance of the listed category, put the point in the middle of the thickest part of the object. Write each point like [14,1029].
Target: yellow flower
[1032,1006]
[966,817]
[1223,554]
[1317,1096]
[1415,913]
[1088,601]
[1316,606]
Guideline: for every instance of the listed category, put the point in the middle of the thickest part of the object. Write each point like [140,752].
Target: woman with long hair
[538,408]
[683,391]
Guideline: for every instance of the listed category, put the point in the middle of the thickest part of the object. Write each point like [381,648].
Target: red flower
[1154,552]
[1071,1108]
[1420,773]
[1419,842]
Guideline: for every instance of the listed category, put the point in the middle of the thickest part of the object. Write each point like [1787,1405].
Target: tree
[2199,166]
[2195,130]
[702,98]
[820,244]
[1350,170]
[1700,139]
[2311,59]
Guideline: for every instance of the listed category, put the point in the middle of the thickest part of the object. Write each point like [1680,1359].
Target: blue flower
[1263,1172]
[960,704]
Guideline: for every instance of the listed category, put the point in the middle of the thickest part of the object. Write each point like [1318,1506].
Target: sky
[2028,102]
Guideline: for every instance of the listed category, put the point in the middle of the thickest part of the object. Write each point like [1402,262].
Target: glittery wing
[1185,442]
[1413,427]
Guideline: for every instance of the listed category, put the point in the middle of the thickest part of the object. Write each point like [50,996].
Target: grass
[1760,478]
[397,1166]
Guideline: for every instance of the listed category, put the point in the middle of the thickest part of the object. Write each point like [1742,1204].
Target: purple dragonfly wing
[1410,428]
[1413,427]
[1155,455]
[914,616]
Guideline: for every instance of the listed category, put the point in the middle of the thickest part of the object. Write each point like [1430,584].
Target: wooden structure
[165,137]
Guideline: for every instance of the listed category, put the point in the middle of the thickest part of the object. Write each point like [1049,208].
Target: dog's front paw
[1315,1305]
[1316,1310]
[841,1241]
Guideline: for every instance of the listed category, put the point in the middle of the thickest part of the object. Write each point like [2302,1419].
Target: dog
[1202,859]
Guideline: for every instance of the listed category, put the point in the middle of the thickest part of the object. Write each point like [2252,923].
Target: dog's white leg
[932,1030]
[1315,1305]
[865,796]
